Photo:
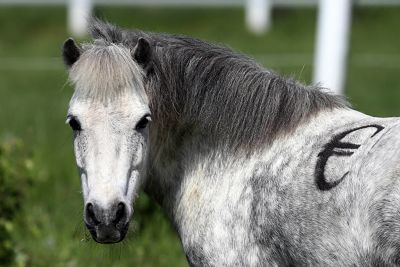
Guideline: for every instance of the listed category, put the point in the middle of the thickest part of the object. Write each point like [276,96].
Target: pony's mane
[210,90]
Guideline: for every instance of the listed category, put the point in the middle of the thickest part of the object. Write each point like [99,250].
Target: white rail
[78,13]
[258,15]
[334,19]
[188,3]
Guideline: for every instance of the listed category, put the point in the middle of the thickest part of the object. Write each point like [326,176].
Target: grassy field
[34,96]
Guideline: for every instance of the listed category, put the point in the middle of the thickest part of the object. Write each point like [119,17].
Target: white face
[110,143]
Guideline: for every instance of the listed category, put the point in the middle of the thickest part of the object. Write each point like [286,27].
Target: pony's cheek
[134,186]
[85,185]
[138,150]
[80,150]
[141,156]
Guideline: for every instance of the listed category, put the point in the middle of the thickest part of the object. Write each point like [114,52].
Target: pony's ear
[70,52]
[142,53]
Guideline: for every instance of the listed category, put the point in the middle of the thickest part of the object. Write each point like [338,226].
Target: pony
[252,168]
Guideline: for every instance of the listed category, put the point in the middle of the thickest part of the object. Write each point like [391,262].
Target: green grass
[34,99]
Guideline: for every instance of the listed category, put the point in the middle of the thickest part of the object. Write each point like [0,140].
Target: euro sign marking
[330,149]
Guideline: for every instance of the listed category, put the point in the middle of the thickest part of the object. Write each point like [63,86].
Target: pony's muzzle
[107,225]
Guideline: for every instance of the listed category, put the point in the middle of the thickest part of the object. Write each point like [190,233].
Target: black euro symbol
[329,150]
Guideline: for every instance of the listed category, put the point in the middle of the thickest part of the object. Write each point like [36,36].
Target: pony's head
[109,115]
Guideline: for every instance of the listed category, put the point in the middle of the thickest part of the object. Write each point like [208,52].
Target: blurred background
[40,200]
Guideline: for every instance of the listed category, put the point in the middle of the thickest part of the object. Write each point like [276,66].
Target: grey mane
[103,66]
[196,87]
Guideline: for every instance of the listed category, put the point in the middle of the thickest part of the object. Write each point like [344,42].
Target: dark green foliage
[15,180]
[7,253]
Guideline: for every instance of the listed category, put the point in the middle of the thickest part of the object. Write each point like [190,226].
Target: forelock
[105,71]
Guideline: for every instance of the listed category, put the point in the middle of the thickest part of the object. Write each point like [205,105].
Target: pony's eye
[74,123]
[143,122]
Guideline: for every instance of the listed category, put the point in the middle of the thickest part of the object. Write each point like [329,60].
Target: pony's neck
[205,98]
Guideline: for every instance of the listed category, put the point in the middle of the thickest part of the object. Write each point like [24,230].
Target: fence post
[334,18]
[78,13]
[258,15]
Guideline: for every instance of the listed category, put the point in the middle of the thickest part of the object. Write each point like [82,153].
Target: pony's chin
[108,234]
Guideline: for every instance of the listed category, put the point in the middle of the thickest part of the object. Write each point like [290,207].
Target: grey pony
[253,169]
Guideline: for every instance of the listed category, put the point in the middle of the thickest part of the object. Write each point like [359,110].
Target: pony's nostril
[121,212]
[90,215]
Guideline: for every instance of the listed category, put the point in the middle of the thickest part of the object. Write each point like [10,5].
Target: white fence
[334,20]
[332,41]
[185,3]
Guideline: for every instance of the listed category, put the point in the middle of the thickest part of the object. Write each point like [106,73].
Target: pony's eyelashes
[74,123]
[143,122]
